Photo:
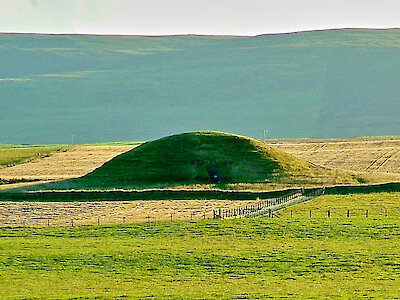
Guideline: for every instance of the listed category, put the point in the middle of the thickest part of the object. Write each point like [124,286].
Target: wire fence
[105,220]
[340,213]
[47,214]
[31,214]
[268,206]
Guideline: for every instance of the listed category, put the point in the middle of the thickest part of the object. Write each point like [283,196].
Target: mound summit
[200,157]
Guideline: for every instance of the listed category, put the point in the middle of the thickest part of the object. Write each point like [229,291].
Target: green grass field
[377,204]
[295,258]
[14,154]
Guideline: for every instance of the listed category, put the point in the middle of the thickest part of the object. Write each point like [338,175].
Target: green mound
[195,158]
[190,158]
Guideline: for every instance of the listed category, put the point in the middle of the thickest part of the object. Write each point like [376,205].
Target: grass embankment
[288,257]
[186,159]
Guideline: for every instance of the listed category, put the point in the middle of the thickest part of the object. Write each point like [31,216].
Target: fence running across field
[268,206]
[49,214]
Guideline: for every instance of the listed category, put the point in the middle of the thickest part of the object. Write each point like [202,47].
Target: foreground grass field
[296,257]
[376,205]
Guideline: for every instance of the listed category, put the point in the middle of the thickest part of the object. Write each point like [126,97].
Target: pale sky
[216,17]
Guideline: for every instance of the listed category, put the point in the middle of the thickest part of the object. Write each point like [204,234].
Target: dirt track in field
[374,156]
[73,162]
[90,213]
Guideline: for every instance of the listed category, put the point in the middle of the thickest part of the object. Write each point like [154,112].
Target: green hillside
[311,84]
[195,158]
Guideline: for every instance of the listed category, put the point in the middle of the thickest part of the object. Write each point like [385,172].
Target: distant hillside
[105,88]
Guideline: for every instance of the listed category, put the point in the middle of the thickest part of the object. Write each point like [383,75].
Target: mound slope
[193,158]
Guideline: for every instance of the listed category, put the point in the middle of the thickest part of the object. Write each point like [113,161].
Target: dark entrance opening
[215,177]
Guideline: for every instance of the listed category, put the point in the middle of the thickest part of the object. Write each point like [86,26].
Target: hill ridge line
[200,34]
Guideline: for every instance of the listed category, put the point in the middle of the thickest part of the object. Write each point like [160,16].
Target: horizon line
[201,35]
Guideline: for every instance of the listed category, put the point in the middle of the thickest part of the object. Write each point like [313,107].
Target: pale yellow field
[377,156]
[73,162]
[90,213]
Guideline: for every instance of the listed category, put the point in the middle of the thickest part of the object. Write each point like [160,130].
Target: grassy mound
[192,158]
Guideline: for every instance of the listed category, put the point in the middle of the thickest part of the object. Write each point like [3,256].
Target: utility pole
[265,133]
[72,138]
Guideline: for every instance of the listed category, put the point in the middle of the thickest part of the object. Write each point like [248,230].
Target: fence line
[265,207]
[105,220]
[99,221]
[268,206]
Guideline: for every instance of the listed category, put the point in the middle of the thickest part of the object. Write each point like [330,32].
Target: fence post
[48,222]
[348,213]
[148,218]
[386,214]
[98,221]
[291,213]
[204,215]
[269,213]
[123,219]
[72,222]
[171,217]
[329,213]
[310,213]
[366,213]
